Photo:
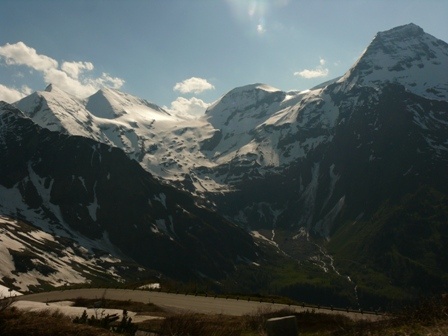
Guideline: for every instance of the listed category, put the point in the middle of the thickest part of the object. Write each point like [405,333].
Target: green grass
[394,254]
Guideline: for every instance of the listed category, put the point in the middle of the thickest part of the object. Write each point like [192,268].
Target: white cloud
[183,106]
[315,73]
[62,80]
[109,81]
[319,71]
[193,85]
[75,78]
[10,95]
[74,69]
[26,90]
[21,54]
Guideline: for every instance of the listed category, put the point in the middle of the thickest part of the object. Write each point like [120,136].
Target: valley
[336,195]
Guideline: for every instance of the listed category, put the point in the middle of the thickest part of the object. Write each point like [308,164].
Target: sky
[185,54]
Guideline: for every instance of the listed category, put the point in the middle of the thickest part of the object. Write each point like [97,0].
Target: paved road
[182,302]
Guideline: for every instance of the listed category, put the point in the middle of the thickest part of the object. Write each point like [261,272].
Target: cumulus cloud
[319,71]
[74,69]
[20,54]
[11,95]
[193,85]
[107,80]
[74,77]
[183,106]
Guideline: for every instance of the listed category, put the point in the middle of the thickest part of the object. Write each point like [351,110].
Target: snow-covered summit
[257,86]
[236,115]
[254,90]
[405,55]
[57,110]
[400,33]
[246,102]
[111,104]
[253,87]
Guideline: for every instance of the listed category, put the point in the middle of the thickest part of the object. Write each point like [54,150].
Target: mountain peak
[398,37]
[101,104]
[111,104]
[404,55]
[410,30]
[243,108]
[254,87]
[53,91]
[49,88]
[243,96]
[250,89]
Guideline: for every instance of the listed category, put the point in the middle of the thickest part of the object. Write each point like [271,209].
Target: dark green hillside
[400,252]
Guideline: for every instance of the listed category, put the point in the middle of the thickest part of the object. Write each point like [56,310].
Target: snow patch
[151,286]
[6,292]
[161,198]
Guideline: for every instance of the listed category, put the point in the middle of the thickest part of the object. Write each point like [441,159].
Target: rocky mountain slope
[33,259]
[91,193]
[310,155]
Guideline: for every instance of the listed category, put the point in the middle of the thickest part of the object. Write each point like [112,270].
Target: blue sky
[184,54]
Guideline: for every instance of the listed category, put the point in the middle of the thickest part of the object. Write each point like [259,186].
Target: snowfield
[64,263]
[252,125]
[6,292]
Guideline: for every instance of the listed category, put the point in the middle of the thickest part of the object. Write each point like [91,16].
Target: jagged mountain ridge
[111,117]
[257,130]
[375,105]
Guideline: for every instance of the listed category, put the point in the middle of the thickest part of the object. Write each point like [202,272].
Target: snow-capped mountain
[143,130]
[306,164]
[59,111]
[293,145]
[256,132]
[407,56]
[92,193]
[113,104]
